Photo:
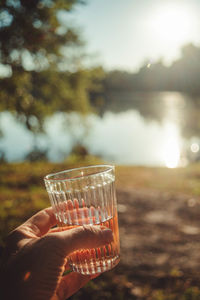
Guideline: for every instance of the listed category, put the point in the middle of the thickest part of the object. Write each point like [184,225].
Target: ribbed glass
[87,196]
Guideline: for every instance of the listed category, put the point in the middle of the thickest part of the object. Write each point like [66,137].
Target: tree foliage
[183,75]
[42,54]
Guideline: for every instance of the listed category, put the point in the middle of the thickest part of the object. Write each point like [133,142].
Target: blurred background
[84,82]
[97,74]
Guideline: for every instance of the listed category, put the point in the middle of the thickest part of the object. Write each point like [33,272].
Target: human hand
[36,258]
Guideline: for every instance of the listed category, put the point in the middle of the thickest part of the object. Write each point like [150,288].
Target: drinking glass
[84,196]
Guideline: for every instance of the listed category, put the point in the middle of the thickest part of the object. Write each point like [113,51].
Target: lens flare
[194,148]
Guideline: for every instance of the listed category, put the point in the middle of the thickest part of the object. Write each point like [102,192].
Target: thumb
[83,237]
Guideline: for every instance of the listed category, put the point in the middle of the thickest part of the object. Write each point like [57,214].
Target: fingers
[40,223]
[36,226]
[71,283]
[83,237]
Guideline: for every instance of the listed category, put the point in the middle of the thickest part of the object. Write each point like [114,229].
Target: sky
[125,34]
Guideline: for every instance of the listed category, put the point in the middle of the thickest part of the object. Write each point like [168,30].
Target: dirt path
[160,235]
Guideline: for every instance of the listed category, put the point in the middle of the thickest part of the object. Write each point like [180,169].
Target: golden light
[171,149]
[172,153]
[171,25]
[173,22]
[27,275]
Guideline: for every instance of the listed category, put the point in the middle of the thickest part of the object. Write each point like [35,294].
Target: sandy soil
[160,238]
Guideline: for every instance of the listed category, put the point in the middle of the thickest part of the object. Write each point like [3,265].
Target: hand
[36,258]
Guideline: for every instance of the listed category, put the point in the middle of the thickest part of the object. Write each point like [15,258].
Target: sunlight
[171,153]
[171,25]
[173,22]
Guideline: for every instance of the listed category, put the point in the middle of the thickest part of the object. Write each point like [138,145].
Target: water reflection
[174,107]
[172,150]
[152,135]
[127,138]
[175,104]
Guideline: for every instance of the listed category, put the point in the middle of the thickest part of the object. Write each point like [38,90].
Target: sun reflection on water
[172,150]
[172,154]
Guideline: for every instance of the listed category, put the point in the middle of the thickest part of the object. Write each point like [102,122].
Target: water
[97,260]
[157,129]
[86,196]
[77,212]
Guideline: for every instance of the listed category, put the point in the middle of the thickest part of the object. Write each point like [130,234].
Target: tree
[42,55]
[185,72]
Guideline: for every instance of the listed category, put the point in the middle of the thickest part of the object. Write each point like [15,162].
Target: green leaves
[31,39]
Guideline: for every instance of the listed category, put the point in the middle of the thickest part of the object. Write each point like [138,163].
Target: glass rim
[107,166]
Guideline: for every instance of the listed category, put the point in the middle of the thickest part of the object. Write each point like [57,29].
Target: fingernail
[107,235]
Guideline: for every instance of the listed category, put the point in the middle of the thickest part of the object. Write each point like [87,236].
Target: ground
[159,216]
[160,247]
[159,237]
[159,231]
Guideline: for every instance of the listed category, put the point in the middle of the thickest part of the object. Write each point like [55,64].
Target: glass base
[99,266]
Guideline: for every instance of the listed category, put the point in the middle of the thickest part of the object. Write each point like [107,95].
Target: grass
[180,180]
[22,193]
[22,190]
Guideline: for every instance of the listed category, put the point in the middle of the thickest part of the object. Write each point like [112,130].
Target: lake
[149,129]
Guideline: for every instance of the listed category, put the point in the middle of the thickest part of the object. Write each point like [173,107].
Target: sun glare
[171,25]
[173,22]
[171,150]
[172,154]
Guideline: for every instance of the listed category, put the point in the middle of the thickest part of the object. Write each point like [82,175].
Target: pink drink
[96,260]
[86,196]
